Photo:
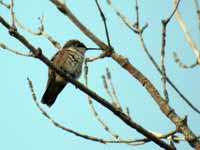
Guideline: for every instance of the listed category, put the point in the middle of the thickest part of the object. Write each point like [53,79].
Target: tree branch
[187,34]
[163,44]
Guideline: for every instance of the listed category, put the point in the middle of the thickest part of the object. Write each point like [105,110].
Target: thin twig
[104,22]
[102,55]
[173,12]
[107,89]
[163,44]
[4,4]
[187,34]
[129,24]
[12,13]
[94,112]
[137,24]
[3,46]
[110,83]
[178,62]
[40,30]
[198,12]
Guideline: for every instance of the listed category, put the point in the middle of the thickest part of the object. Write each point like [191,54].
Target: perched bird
[69,59]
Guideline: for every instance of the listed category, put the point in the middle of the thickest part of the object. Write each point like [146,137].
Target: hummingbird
[69,59]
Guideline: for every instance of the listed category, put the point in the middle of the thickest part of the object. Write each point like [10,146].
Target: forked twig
[40,31]
[163,44]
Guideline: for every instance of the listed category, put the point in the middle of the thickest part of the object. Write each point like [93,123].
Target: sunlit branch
[187,34]
[3,46]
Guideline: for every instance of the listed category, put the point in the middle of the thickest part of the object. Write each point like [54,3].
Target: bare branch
[110,83]
[3,46]
[100,56]
[173,12]
[198,12]
[4,4]
[94,112]
[104,22]
[187,34]
[107,89]
[129,24]
[163,43]
[178,61]
[12,13]
[40,31]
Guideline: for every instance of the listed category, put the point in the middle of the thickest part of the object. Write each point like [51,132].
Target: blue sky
[23,126]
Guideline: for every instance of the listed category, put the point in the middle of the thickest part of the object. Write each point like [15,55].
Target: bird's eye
[80,45]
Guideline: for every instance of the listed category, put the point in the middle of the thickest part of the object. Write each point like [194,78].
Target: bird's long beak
[90,48]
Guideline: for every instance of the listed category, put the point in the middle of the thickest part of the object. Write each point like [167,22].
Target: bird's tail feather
[51,94]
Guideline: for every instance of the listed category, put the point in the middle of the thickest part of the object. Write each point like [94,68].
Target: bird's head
[79,46]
